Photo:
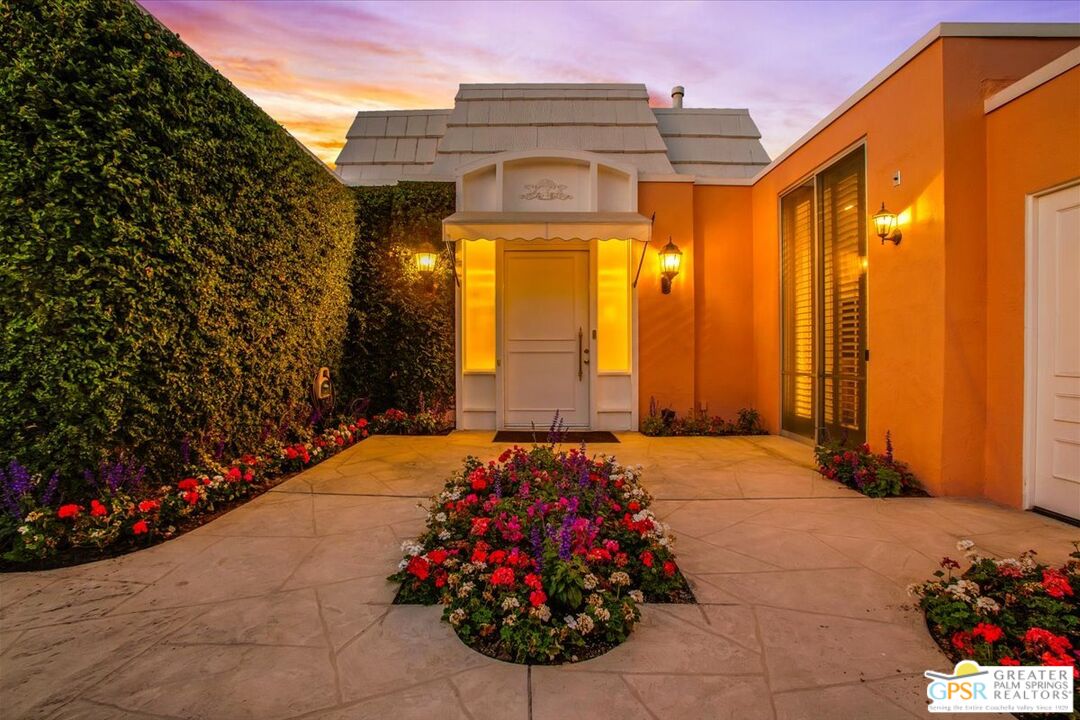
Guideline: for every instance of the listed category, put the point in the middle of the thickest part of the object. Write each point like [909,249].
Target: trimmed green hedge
[399,352]
[173,266]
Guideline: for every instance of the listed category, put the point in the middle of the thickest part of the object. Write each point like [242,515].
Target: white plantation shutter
[823,297]
[797,233]
[843,298]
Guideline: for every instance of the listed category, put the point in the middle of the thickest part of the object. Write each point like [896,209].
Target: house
[910,265]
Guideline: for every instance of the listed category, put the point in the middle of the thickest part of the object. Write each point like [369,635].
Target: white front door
[545,337]
[1057,331]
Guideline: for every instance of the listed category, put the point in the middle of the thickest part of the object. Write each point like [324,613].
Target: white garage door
[1057,348]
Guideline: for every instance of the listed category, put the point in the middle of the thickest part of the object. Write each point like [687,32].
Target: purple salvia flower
[566,537]
[537,546]
[49,494]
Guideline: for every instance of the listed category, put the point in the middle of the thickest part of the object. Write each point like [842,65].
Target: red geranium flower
[1055,584]
[438,556]
[497,558]
[419,567]
[988,632]
[533,580]
[249,475]
[149,505]
[647,559]
[669,568]
[961,640]
[633,506]
[187,484]
[97,509]
[503,576]
[1008,661]
[233,475]
[480,525]
[140,527]
[191,497]
[479,553]
[290,453]
[537,598]
[70,510]
[440,577]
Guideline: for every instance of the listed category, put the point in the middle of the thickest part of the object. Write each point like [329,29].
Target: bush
[173,265]
[120,513]
[873,475]
[1013,611]
[399,351]
[664,422]
[541,557]
[399,422]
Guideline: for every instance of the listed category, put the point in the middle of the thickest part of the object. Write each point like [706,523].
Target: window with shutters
[823,267]
[797,250]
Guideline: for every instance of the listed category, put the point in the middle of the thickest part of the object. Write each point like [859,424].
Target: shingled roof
[613,120]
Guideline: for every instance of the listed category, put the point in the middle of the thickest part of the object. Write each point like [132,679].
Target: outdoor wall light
[885,226]
[670,262]
[426,258]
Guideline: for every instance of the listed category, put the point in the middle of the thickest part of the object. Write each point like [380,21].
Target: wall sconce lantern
[670,262]
[885,226]
[426,259]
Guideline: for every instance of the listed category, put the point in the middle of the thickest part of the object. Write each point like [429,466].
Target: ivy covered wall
[399,351]
[173,266]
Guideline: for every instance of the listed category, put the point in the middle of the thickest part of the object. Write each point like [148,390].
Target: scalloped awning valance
[546,226]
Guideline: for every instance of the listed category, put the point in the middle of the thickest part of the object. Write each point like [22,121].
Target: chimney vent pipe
[677,93]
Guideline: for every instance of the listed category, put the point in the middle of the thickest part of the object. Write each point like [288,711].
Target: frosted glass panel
[613,305]
[479,311]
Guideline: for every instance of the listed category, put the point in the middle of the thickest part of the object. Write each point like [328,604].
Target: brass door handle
[580,368]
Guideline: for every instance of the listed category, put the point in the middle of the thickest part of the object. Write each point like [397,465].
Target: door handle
[580,366]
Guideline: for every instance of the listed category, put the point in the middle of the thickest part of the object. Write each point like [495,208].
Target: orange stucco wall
[1032,143]
[945,340]
[723,234]
[901,123]
[666,322]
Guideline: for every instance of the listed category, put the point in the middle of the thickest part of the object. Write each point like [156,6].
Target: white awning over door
[474,225]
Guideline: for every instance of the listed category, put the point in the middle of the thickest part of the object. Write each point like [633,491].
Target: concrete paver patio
[280,609]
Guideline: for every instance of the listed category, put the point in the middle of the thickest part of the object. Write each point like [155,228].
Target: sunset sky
[312,65]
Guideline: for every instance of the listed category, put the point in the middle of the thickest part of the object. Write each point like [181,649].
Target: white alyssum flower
[440,517]
[619,579]
[963,590]
[543,612]
[987,605]
[509,603]
[570,622]
[457,617]
[465,589]
[584,624]
[602,614]
[411,547]
[637,596]
[444,535]
[595,600]
[590,581]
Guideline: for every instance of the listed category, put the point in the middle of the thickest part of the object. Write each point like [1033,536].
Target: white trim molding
[1026,84]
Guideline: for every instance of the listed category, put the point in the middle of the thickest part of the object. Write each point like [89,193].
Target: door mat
[568,438]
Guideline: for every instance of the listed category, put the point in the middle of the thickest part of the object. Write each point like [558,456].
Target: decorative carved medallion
[546,189]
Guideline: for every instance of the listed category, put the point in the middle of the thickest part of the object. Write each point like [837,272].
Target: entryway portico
[546,245]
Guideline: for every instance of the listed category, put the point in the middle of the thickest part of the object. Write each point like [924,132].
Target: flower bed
[543,556]
[399,422]
[1014,611]
[38,529]
[875,475]
[664,422]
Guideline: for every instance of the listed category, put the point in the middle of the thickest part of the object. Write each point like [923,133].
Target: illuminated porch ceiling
[476,225]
